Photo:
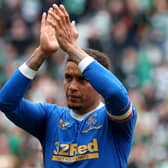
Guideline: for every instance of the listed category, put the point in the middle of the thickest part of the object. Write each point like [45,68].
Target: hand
[48,40]
[66,32]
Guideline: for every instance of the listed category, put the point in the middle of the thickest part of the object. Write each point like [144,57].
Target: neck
[78,116]
[85,110]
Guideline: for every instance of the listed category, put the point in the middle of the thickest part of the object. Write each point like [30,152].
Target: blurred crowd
[133,33]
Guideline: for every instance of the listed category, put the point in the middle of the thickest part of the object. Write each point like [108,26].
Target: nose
[74,85]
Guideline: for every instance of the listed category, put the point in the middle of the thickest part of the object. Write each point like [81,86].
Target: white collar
[81,117]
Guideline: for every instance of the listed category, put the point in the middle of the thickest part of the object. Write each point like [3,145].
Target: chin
[74,106]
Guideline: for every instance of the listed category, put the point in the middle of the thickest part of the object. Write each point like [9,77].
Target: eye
[81,79]
[68,77]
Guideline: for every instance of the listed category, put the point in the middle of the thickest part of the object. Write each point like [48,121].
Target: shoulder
[53,109]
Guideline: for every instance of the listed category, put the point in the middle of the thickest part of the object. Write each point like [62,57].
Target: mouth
[73,97]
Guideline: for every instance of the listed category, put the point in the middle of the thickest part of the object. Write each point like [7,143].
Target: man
[87,133]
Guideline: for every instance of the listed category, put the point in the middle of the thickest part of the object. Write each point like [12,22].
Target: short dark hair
[102,58]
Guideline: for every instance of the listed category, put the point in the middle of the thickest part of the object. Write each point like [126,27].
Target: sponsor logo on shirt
[75,152]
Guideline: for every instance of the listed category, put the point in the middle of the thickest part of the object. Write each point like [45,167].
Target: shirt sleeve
[29,116]
[27,71]
[22,112]
[116,98]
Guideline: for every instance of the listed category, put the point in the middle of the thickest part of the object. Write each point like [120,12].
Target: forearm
[106,83]
[119,107]
[36,60]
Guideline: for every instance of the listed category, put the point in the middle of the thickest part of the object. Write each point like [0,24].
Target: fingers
[62,8]
[73,25]
[58,17]
[43,20]
[58,10]
[62,14]
[51,17]
[76,34]
[65,31]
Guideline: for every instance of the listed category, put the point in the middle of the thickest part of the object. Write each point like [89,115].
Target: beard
[74,107]
[74,103]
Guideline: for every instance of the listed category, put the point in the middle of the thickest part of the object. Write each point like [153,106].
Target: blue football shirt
[102,139]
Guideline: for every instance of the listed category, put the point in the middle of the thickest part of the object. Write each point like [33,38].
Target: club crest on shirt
[91,120]
[91,124]
[63,124]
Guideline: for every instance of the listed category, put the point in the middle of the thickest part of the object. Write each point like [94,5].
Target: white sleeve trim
[27,71]
[85,62]
[122,117]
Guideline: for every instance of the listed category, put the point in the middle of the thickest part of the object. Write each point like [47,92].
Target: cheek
[89,92]
[65,87]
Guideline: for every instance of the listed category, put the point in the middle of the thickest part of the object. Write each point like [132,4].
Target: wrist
[40,52]
[72,49]
[76,53]
[37,59]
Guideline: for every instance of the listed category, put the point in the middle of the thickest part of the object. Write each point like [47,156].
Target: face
[81,96]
